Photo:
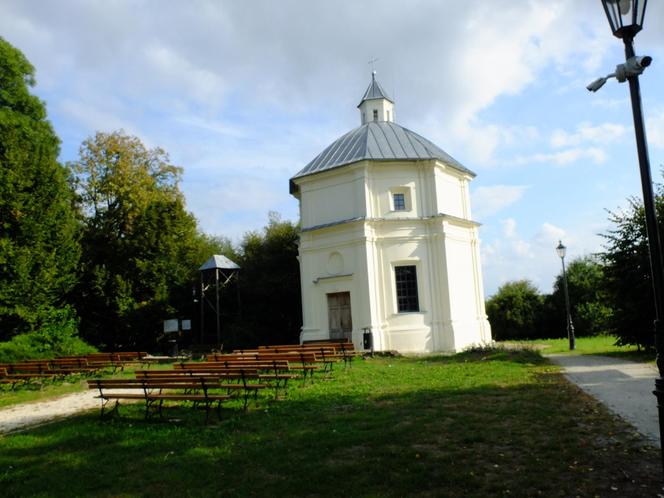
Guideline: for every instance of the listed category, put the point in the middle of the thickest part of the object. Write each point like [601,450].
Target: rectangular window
[406,280]
[399,201]
[375,115]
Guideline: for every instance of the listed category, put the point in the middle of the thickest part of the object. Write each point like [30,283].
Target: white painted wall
[435,234]
[452,192]
[384,108]
[332,196]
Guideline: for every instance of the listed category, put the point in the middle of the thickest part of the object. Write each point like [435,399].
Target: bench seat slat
[120,396]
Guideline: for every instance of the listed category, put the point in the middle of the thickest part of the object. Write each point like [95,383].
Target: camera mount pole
[654,244]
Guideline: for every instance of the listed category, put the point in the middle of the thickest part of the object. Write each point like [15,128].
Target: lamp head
[561,250]
[625,16]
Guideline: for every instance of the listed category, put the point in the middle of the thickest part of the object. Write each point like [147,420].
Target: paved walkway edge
[624,387]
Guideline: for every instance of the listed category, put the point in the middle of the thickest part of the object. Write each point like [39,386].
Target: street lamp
[562,250]
[626,20]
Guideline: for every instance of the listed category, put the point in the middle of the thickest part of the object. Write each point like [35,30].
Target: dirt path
[625,387]
[26,415]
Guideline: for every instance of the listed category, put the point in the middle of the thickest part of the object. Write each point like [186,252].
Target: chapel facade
[387,243]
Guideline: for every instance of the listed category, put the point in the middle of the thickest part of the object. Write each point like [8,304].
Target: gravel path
[26,415]
[625,387]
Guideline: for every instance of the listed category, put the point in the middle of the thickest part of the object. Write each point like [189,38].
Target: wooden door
[339,318]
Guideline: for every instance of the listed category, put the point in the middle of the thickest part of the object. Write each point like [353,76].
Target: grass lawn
[491,423]
[600,345]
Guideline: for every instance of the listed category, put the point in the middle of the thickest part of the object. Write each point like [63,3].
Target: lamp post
[562,250]
[626,20]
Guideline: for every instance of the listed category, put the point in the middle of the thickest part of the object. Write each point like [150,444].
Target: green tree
[515,311]
[39,249]
[141,248]
[627,269]
[270,284]
[590,309]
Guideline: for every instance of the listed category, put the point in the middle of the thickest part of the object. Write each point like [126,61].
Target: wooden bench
[72,366]
[305,361]
[324,351]
[154,392]
[344,348]
[13,379]
[275,371]
[328,350]
[48,368]
[34,369]
[115,360]
[244,375]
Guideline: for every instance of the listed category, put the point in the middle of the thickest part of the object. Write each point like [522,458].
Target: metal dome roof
[380,141]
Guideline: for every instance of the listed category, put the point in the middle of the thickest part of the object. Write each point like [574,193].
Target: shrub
[56,336]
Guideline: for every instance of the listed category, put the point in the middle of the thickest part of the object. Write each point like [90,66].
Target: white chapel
[387,243]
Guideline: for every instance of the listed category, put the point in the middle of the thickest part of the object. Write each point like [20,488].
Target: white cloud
[534,257]
[489,200]
[509,227]
[224,56]
[655,129]
[611,104]
[200,84]
[106,117]
[231,206]
[244,96]
[522,249]
[217,126]
[565,157]
[549,234]
[496,62]
[605,133]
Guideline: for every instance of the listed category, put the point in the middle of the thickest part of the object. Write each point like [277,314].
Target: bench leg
[285,389]
[105,414]
[103,405]
[148,403]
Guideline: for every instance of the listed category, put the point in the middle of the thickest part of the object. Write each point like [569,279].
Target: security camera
[640,61]
[596,85]
[633,66]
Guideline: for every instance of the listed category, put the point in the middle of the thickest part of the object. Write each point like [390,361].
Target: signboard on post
[171,326]
[174,325]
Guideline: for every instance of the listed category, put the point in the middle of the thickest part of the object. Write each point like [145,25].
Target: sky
[243,94]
